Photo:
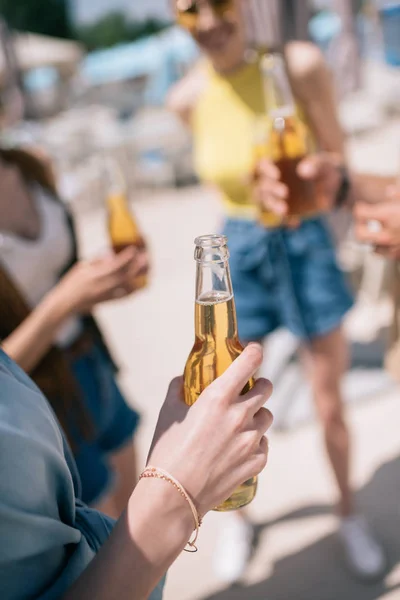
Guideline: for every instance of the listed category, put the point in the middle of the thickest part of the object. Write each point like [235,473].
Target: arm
[183,96]
[313,87]
[146,541]
[157,523]
[370,188]
[377,213]
[47,553]
[85,285]
[33,338]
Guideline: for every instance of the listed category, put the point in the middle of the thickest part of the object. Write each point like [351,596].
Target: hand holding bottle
[292,183]
[89,283]
[379,223]
[322,170]
[123,228]
[215,445]
[217,345]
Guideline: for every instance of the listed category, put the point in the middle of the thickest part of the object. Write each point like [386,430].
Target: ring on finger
[374,226]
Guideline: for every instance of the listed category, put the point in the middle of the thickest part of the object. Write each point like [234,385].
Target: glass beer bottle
[217,343]
[122,226]
[289,138]
[261,136]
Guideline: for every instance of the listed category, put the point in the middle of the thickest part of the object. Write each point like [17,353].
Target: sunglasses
[188,11]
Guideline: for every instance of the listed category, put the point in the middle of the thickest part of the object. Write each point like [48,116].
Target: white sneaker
[233,548]
[364,554]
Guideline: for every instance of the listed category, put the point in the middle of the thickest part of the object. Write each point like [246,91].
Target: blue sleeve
[42,551]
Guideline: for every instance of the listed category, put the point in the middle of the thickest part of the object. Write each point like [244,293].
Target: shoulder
[307,67]
[314,89]
[184,95]
[304,60]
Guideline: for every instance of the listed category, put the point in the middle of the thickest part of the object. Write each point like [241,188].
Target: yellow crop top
[224,136]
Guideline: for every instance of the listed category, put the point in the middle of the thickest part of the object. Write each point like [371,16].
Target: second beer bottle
[122,226]
[289,138]
[217,342]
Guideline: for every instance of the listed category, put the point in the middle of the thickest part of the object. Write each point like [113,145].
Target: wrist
[157,509]
[57,305]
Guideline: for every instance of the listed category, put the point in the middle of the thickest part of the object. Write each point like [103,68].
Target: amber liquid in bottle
[216,344]
[289,147]
[261,150]
[123,229]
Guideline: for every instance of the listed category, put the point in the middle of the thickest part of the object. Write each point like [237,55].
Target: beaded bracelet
[156,473]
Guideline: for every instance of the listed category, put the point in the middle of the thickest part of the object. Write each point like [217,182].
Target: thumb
[309,167]
[174,406]
[175,390]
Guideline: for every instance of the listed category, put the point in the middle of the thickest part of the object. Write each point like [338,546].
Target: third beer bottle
[122,226]
[288,137]
[217,343]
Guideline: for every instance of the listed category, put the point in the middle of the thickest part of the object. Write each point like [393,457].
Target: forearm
[146,541]
[314,88]
[369,188]
[32,339]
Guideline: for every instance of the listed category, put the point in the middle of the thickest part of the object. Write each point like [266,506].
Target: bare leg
[326,360]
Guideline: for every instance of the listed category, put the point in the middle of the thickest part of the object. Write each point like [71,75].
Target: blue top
[47,536]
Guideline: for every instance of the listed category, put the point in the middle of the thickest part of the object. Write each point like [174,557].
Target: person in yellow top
[281,276]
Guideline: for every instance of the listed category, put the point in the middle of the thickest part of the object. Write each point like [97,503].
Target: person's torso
[224,127]
[36,265]
[60,535]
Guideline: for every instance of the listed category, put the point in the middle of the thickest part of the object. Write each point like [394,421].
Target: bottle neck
[117,201]
[278,92]
[115,186]
[215,318]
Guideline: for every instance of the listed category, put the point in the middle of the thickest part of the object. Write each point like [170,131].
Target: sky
[85,11]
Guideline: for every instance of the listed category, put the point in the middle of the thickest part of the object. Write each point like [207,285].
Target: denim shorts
[286,278]
[114,423]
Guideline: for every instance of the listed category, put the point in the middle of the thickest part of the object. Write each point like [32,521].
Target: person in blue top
[53,547]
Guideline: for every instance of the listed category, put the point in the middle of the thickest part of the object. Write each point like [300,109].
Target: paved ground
[296,558]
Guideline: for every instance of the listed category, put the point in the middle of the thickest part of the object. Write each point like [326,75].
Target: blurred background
[94,77]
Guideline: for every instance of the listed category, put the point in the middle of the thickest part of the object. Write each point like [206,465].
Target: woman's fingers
[263,420]
[258,395]
[230,385]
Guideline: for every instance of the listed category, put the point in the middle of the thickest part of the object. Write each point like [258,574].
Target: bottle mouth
[211,241]
[211,249]
[271,60]
[282,113]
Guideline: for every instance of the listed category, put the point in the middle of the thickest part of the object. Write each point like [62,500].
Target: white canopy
[33,51]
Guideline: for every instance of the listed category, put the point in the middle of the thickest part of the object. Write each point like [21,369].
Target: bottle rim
[271,60]
[283,112]
[211,241]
